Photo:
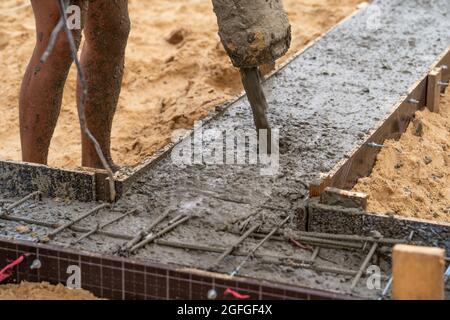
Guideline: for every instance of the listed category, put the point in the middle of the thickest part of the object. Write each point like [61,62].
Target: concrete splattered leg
[106,30]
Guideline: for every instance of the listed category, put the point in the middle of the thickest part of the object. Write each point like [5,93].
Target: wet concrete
[323,103]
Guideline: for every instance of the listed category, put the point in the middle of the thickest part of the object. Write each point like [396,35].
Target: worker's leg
[42,86]
[106,31]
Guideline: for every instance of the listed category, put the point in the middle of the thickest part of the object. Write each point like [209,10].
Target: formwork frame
[322,217]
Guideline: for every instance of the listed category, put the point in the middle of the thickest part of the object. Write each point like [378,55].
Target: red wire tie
[6,272]
[298,244]
[235,294]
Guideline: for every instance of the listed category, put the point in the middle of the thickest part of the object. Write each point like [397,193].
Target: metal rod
[52,40]
[30,221]
[364,265]
[86,235]
[152,237]
[315,254]
[413,101]
[386,289]
[148,230]
[313,241]
[84,96]
[252,252]
[234,246]
[275,229]
[52,234]
[304,263]
[290,261]
[293,262]
[109,234]
[189,246]
[102,226]
[176,219]
[129,238]
[447,275]
[389,283]
[126,214]
[21,201]
[330,242]
[352,237]
[56,225]
[375,145]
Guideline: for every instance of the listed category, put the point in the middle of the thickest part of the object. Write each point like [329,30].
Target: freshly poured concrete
[323,103]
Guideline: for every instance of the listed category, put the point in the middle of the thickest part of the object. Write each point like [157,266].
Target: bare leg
[42,87]
[102,59]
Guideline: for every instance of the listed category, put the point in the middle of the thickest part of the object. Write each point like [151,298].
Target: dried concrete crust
[253,32]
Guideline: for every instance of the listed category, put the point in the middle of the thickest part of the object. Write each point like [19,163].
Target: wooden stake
[418,273]
[348,199]
[434,89]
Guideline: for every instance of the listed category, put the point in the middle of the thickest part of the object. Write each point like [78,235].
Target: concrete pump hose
[253,32]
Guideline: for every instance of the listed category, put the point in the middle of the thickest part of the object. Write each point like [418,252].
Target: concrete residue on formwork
[323,103]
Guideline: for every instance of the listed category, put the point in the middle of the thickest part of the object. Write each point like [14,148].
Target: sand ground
[166,87]
[42,291]
[412,175]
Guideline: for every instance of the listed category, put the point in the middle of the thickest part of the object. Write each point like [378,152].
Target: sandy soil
[42,291]
[412,176]
[166,86]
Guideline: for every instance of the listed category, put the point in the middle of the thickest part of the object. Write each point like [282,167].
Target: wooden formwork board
[24,178]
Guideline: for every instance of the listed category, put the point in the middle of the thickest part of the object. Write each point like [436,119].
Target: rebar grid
[154,233]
